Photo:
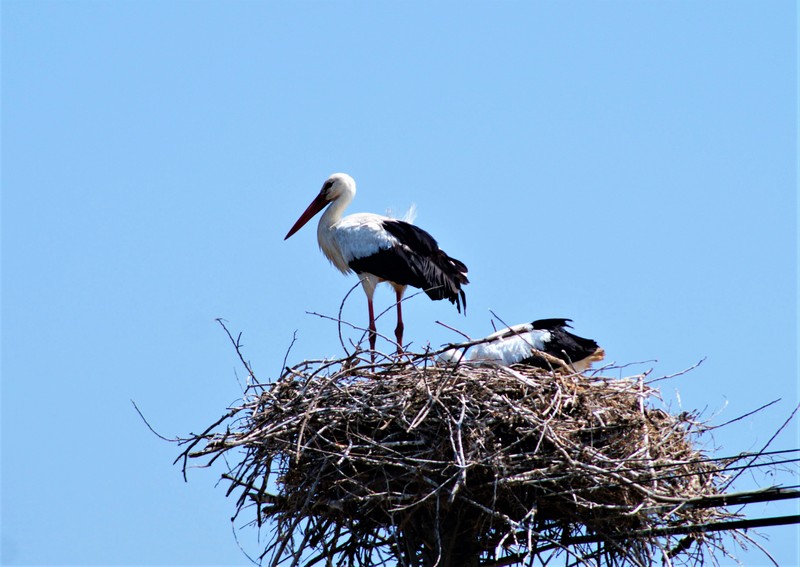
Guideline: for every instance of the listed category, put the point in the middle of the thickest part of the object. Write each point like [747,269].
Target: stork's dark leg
[373,331]
[398,332]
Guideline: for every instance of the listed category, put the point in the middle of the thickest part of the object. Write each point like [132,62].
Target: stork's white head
[337,185]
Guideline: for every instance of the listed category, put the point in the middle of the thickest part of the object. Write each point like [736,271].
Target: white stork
[519,345]
[381,249]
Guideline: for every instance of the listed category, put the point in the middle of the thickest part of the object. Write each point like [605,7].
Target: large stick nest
[355,463]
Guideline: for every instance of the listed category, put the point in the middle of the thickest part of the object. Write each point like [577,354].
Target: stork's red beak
[316,206]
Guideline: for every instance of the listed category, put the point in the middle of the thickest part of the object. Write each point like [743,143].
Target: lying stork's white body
[518,345]
[379,249]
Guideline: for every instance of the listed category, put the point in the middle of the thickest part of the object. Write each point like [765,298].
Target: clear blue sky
[630,165]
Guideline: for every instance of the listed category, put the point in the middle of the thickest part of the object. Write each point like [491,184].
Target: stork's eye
[327,185]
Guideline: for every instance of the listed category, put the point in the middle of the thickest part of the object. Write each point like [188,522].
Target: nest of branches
[417,463]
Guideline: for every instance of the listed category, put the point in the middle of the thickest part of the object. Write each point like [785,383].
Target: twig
[764,448]
[446,326]
[237,346]
[339,319]
[679,373]
[156,433]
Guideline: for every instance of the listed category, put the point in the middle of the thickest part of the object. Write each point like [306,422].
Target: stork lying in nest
[531,344]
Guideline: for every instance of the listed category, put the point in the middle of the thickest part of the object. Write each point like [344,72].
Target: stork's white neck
[326,227]
[334,211]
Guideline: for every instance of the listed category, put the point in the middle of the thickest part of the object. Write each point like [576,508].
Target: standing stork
[381,249]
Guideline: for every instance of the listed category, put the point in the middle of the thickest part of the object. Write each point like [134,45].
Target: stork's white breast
[355,236]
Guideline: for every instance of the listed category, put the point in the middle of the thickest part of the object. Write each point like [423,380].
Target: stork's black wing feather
[551,324]
[419,262]
[562,342]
